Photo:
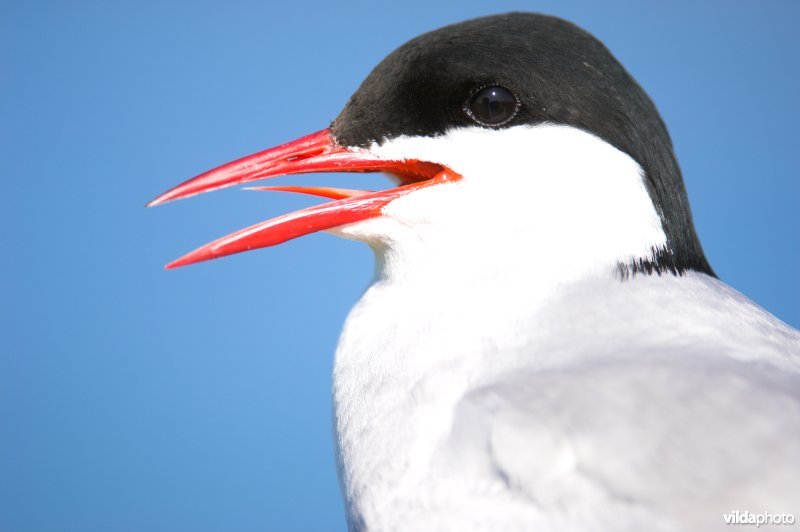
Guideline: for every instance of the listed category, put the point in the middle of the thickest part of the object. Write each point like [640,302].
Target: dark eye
[492,106]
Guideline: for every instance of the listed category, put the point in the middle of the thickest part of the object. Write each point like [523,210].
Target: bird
[544,345]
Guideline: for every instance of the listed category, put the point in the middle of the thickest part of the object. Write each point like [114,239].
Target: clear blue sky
[132,398]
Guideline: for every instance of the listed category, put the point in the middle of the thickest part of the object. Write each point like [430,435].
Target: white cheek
[561,190]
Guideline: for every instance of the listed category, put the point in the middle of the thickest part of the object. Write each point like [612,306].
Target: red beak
[317,152]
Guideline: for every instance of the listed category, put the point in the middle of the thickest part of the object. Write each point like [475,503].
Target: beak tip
[157,201]
[199,255]
[175,264]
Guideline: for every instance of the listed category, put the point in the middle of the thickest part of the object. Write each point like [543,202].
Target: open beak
[317,152]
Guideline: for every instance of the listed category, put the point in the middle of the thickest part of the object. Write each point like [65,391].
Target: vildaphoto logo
[746,517]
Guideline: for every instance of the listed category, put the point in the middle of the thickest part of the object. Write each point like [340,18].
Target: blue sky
[132,398]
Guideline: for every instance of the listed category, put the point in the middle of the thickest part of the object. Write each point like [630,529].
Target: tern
[544,346]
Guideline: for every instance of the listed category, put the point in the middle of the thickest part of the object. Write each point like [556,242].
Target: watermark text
[746,517]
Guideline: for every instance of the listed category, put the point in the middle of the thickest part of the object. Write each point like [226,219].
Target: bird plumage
[521,381]
[544,346]
[657,403]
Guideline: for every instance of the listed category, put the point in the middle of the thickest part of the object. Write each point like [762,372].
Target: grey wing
[672,442]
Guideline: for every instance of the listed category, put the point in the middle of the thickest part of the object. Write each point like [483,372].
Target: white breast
[660,408]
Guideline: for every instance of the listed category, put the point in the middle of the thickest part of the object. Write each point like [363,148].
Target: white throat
[460,265]
[549,201]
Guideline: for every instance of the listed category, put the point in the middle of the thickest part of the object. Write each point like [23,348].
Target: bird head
[516,136]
